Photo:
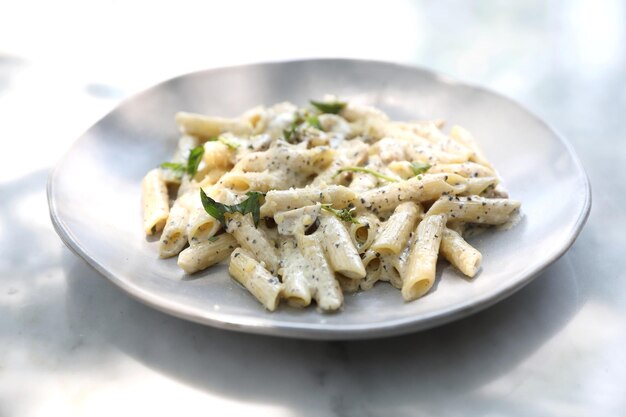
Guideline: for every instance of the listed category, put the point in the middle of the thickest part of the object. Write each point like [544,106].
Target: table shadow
[345,378]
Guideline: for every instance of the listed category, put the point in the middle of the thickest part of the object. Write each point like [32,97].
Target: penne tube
[156,208]
[394,234]
[212,177]
[418,189]
[283,200]
[258,280]
[174,236]
[257,117]
[296,288]
[364,231]
[373,268]
[203,255]
[242,182]
[466,169]
[419,272]
[253,240]
[475,209]
[476,186]
[207,127]
[460,253]
[324,287]
[289,158]
[296,221]
[340,252]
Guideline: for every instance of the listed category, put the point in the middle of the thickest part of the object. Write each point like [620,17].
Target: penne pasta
[156,208]
[475,209]
[252,275]
[427,188]
[296,285]
[253,240]
[325,288]
[206,127]
[460,253]
[203,255]
[340,252]
[283,200]
[419,272]
[307,203]
[394,234]
[364,231]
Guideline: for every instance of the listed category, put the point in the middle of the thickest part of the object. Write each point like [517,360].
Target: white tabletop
[73,344]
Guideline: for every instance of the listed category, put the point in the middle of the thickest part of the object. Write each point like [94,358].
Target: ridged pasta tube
[460,253]
[258,280]
[203,255]
[156,207]
[419,272]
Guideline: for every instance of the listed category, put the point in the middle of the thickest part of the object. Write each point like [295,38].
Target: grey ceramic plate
[95,203]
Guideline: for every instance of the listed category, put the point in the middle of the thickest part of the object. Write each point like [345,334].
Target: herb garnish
[289,133]
[225,141]
[367,171]
[195,156]
[330,107]
[177,168]
[314,121]
[419,168]
[298,119]
[191,167]
[346,215]
[217,210]
[213,239]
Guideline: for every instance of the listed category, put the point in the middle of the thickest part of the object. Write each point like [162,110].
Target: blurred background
[63,64]
[71,344]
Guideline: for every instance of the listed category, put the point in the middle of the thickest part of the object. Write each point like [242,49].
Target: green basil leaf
[254,205]
[290,134]
[195,156]
[314,121]
[176,168]
[332,107]
[212,207]
[225,141]
[419,168]
[217,210]
[346,215]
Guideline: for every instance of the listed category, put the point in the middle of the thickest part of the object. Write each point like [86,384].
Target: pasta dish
[310,202]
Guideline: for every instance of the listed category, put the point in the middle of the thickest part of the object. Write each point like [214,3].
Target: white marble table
[72,344]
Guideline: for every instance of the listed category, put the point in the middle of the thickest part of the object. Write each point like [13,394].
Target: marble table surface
[71,344]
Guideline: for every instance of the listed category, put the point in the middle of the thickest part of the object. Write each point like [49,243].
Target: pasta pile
[312,202]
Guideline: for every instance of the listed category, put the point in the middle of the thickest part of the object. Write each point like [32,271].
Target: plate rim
[319,331]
